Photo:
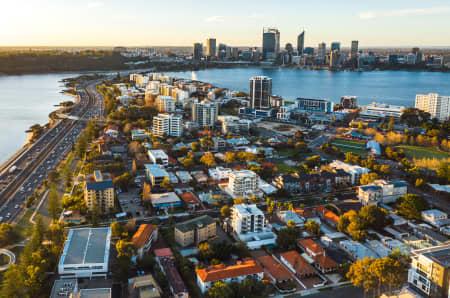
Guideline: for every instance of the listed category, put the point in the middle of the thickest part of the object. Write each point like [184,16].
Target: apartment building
[381,191]
[143,239]
[165,104]
[156,174]
[168,125]
[99,192]
[205,113]
[195,231]
[158,157]
[437,105]
[429,272]
[247,219]
[243,183]
[248,268]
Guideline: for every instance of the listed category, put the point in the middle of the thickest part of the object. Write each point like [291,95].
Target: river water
[24,101]
[28,99]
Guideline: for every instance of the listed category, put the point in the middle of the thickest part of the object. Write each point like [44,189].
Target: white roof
[158,153]
[438,187]
[156,170]
[246,210]
[164,198]
[266,187]
[434,213]
[349,168]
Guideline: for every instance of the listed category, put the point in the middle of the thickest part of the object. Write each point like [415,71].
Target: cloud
[404,12]
[95,4]
[256,16]
[214,19]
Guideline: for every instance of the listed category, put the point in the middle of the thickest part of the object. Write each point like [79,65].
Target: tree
[225,211]
[53,176]
[166,183]
[290,224]
[7,234]
[13,282]
[313,161]
[443,172]
[208,160]
[68,178]
[239,201]
[313,227]
[188,162]
[125,248]
[230,157]
[207,142]
[287,238]
[123,181]
[220,290]
[391,124]
[368,178]
[359,274]
[54,205]
[352,158]
[81,146]
[385,170]
[116,229]
[411,206]
[195,146]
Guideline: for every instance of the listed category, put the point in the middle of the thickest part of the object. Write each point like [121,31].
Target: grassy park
[422,152]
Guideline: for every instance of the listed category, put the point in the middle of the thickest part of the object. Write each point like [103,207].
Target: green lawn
[285,169]
[349,143]
[422,152]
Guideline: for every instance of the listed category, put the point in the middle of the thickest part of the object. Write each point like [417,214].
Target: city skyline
[112,23]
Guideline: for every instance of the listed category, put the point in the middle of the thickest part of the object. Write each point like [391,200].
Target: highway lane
[55,147]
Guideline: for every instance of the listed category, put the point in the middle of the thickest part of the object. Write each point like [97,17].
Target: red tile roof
[163,252]
[277,270]
[312,246]
[143,233]
[189,198]
[328,215]
[325,262]
[300,265]
[220,272]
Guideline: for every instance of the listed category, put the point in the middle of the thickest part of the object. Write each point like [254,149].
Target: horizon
[89,23]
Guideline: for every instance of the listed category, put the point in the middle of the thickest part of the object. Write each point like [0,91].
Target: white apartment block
[165,104]
[205,113]
[438,106]
[381,191]
[243,183]
[158,157]
[168,125]
[247,219]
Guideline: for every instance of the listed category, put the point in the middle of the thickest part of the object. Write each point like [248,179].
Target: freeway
[45,155]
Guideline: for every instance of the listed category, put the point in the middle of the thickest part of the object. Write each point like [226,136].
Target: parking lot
[131,203]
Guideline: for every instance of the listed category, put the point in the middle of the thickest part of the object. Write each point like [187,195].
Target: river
[28,99]
[393,87]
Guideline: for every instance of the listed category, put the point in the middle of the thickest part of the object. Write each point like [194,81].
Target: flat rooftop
[195,223]
[63,288]
[94,293]
[246,210]
[156,170]
[439,254]
[87,246]
[158,153]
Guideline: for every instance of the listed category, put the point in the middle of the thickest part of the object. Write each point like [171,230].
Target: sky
[235,23]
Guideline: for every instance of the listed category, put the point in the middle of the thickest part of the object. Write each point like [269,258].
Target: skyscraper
[205,113]
[211,47]
[354,49]
[198,51]
[271,42]
[301,43]
[260,91]
[334,59]
[322,50]
[336,46]
[437,105]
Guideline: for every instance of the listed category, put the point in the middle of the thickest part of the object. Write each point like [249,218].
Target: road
[45,155]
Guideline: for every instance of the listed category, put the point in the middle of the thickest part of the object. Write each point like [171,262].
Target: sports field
[422,152]
[351,146]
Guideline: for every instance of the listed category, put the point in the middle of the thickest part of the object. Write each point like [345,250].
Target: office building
[354,49]
[336,46]
[205,113]
[322,50]
[271,43]
[165,104]
[143,239]
[198,52]
[438,106]
[156,174]
[381,191]
[99,192]
[260,92]
[165,200]
[309,51]
[248,268]
[158,157]
[243,183]
[195,231]
[349,102]
[314,105]
[210,47]
[334,59]
[381,111]
[168,125]
[301,43]
[429,272]
[86,253]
